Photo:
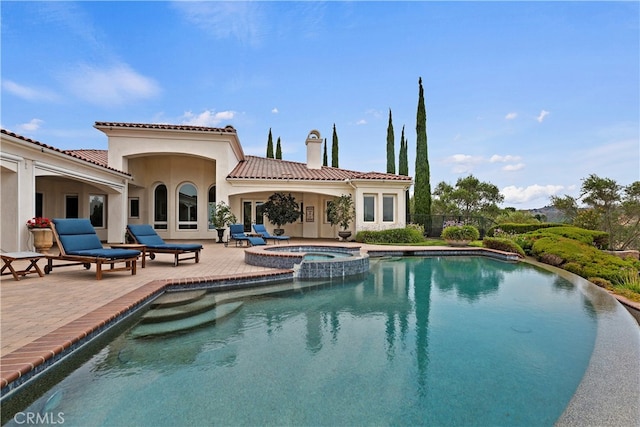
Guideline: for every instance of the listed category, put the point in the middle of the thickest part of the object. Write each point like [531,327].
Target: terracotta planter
[42,239]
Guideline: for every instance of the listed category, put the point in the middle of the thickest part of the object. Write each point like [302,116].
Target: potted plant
[40,228]
[281,209]
[460,235]
[221,218]
[341,211]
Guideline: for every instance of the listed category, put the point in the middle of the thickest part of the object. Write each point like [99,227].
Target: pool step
[166,313]
[171,299]
[218,312]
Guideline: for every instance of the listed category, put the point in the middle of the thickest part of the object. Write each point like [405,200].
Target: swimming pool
[438,341]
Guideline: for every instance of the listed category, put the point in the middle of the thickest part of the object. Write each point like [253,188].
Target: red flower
[39,222]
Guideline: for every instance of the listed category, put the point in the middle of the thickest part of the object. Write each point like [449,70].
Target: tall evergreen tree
[278,150]
[270,146]
[422,191]
[403,169]
[391,155]
[334,148]
[325,161]
[403,160]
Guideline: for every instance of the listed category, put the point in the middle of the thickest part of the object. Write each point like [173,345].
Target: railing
[434,224]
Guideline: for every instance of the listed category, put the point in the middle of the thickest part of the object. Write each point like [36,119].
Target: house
[171,176]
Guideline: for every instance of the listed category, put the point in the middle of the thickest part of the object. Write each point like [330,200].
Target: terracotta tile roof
[96,157]
[164,126]
[100,157]
[265,168]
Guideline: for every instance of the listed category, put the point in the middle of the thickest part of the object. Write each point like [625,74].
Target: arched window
[187,207]
[160,207]
[211,204]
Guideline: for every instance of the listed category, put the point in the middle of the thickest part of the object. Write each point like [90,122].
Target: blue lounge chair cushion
[106,253]
[146,235]
[78,237]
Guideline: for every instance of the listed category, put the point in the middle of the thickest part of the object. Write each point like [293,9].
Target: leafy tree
[391,157]
[568,207]
[469,197]
[281,209]
[615,209]
[270,146]
[609,207]
[334,148]
[422,189]
[278,150]
[325,162]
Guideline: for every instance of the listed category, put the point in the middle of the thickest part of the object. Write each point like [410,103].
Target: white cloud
[463,163]
[28,93]
[513,168]
[115,85]
[496,158]
[517,195]
[275,111]
[543,114]
[32,126]
[511,116]
[207,118]
[361,122]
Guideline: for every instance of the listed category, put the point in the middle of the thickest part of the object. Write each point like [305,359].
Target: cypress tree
[391,157]
[403,161]
[422,192]
[334,148]
[403,169]
[278,150]
[325,161]
[270,146]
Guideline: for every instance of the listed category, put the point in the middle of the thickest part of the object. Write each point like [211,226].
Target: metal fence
[434,224]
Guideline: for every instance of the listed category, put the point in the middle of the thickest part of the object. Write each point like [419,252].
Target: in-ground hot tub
[311,261]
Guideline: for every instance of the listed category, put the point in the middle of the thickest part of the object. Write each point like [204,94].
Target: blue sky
[532,97]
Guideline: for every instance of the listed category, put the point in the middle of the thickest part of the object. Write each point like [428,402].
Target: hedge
[502,244]
[394,235]
[516,228]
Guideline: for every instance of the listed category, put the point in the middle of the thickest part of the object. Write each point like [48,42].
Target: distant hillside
[550,213]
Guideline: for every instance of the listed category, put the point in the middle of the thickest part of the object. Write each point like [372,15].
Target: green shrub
[516,228]
[394,235]
[460,232]
[599,239]
[581,258]
[506,245]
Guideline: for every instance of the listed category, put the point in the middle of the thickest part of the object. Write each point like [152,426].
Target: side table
[32,257]
[137,246]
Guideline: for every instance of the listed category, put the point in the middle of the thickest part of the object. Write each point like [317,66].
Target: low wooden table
[32,257]
[137,246]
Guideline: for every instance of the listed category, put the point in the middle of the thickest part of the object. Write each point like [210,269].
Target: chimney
[314,150]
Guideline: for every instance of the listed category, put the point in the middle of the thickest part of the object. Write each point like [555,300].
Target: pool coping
[607,394]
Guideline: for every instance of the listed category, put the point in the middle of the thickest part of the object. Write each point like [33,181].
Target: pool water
[421,341]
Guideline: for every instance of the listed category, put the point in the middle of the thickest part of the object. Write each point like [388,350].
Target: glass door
[252,213]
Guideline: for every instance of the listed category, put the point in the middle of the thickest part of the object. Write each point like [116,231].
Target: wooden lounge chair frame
[86,249]
[144,234]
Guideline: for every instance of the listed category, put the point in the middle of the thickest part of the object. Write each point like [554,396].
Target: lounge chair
[77,241]
[237,234]
[146,235]
[262,230]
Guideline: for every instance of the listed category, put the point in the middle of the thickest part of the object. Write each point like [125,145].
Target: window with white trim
[187,207]
[369,208]
[388,207]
